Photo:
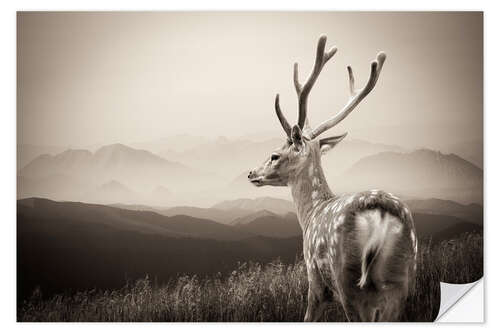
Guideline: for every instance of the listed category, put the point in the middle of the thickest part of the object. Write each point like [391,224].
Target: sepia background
[158,116]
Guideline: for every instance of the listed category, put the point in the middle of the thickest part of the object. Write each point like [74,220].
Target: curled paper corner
[451,295]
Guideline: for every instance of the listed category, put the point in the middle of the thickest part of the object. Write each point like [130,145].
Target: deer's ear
[328,143]
[297,137]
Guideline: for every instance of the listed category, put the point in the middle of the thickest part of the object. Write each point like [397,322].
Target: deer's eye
[275,157]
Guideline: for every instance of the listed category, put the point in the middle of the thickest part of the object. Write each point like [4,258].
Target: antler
[281,117]
[356,95]
[303,90]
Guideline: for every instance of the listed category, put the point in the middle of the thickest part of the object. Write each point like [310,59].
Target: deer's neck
[309,190]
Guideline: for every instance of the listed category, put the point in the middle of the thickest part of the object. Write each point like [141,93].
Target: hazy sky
[87,78]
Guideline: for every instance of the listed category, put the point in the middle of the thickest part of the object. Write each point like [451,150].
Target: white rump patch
[375,233]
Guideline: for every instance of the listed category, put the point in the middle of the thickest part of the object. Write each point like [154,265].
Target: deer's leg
[316,299]
[315,306]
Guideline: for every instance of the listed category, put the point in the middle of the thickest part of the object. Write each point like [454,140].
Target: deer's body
[342,232]
[359,249]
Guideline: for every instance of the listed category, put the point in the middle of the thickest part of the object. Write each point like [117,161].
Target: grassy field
[253,292]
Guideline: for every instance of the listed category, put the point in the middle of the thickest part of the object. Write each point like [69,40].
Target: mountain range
[28,152]
[111,174]
[203,172]
[65,246]
[224,156]
[422,173]
[117,160]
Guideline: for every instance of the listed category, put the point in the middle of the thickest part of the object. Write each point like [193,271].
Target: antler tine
[322,58]
[356,95]
[281,117]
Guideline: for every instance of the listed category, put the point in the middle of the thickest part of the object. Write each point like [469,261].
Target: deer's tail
[367,259]
[380,240]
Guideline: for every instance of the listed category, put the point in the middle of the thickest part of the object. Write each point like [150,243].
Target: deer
[359,249]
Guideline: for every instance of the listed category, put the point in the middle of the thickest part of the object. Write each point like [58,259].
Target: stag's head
[303,145]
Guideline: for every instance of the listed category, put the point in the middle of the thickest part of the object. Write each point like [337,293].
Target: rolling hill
[265,223]
[225,216]
[471,212]
[252,216]
[147,222]
[441,227]
[70,246]
[214,214]
[277,206]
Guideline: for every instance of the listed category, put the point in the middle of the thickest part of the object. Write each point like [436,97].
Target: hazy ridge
[201,172]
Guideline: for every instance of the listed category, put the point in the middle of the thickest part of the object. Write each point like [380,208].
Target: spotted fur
[335,258]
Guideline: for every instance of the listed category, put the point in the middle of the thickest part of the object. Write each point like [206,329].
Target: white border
[7,132]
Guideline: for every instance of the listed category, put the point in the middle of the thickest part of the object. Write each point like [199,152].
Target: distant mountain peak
[118,147]
[419,173]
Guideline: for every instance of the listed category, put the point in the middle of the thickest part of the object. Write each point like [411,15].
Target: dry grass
[273,292]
